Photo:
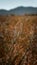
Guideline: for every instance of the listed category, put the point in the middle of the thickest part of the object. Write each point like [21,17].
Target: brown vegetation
[18,40]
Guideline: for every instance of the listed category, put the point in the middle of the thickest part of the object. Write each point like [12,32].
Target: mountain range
[19,11]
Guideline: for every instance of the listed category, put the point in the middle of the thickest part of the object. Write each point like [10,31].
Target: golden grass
[18,39]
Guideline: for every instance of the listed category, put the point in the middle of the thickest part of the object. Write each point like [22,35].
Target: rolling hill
[19,11]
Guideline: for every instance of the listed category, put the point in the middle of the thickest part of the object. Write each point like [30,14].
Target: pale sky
[9,4]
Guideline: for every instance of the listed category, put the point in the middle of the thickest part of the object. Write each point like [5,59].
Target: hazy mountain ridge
[19,11]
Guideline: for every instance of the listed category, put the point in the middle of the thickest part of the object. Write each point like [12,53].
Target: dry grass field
[18,40]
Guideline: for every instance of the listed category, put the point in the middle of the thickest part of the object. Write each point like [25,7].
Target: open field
[18,40]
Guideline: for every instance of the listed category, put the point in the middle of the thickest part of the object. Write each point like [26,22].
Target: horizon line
[17,7]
